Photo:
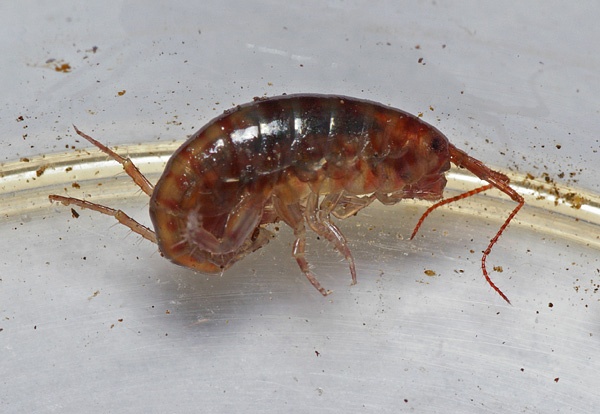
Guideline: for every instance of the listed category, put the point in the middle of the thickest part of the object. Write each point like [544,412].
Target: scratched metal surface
[93,319]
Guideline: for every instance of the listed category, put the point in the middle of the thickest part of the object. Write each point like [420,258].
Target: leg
[390,199]
[347,206]
[292,216]
[225,233]
[258,239]
[123,218]
[318,218]
[127,164]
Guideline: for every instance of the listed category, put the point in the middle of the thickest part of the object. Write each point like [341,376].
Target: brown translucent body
[298,159]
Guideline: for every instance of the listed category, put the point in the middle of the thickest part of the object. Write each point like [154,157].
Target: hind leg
[226,238]
[259,238]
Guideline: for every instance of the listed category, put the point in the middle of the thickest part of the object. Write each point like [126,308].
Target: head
[417,161]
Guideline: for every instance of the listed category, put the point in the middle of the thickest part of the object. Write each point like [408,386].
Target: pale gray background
[510,82]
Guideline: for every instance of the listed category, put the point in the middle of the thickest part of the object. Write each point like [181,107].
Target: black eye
[438,144]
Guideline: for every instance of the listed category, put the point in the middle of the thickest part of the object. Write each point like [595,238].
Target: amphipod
[298,159]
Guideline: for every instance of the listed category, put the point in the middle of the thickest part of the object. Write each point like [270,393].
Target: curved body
[297,159]
[248,166]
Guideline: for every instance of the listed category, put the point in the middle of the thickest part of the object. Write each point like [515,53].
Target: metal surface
[93,319]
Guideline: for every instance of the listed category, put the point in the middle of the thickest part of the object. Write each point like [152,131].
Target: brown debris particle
[41,170]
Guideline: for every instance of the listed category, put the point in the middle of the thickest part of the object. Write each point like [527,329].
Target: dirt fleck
[40,171]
